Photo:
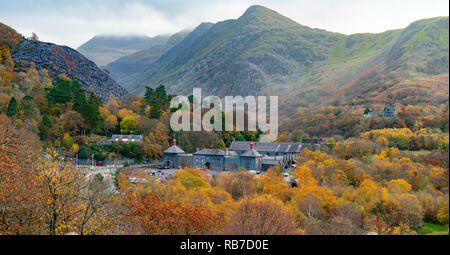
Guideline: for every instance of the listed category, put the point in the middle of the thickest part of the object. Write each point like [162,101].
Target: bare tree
[34,37]
[261,215]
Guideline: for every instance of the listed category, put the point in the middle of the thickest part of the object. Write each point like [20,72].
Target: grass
[432,229]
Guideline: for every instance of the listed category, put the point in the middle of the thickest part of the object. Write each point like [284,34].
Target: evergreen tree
[162,97]
[157,99]
[92,114]
[83,154]
[79,98]
[45,125]
[155,110]
[59,94]
[28,107]
[149,94]
[13,108]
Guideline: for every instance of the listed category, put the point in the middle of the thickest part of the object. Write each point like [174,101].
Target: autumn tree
[150,215]
[443,214]
[19,191]
[261,215]
[13,108]
[61,186]
[128,124]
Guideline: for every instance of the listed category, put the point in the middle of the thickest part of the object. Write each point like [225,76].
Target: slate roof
[127,138]
[266,161]
[266,147]
[232,154]
[216,152]
[174,150]
[251,153]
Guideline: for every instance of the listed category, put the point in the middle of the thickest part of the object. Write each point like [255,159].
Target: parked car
[252,171]
[286,174]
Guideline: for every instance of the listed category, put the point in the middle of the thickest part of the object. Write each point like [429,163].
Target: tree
[67,141]
[61,187]
[443,214]
[13,108]
[74,149]
[221,145]
[110,121]
[79,98]
[94,216]
[239,184]
[19,193]
[149,214]
[60,92]
[83,154]
[28,107]
[72,123]
[261,215]
[34,37]
[157,99]
[156,142]
[128,124]
[399,186]
[92,114]
[45,125]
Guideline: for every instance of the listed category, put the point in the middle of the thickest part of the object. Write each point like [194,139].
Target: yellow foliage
[399,186]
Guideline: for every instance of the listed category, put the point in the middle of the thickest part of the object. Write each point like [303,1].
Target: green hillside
[263,52]
[126,67]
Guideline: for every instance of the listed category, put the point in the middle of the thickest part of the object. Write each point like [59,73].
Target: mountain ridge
[263,52]
[104,49]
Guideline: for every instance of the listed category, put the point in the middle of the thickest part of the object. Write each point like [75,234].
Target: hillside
[126,67]
[104,49]
[64,60]
[263,52]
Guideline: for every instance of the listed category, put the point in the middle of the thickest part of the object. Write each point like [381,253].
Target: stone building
[171,156]
[241,154]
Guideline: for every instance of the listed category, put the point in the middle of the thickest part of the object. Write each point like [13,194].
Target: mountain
[104,49]
[64,60]
[263,52]
[126,67]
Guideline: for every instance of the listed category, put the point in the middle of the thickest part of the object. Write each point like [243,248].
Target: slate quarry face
[59,60]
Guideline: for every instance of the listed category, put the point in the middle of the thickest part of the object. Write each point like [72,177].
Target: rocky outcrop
[64,60]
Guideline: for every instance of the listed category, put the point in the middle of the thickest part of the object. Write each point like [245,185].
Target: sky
[73,22]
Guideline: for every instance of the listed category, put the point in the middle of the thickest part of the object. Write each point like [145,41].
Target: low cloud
[74,22]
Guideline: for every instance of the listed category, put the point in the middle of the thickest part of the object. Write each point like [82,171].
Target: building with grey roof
[171,155]
[241,154]
[126,138]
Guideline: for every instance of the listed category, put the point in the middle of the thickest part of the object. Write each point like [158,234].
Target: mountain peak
[257,9]
[263,16]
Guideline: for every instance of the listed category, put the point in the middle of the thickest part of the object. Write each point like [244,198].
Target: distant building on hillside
[126,138]
[390,111]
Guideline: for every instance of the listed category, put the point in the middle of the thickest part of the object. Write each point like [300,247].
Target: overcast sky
[73,22]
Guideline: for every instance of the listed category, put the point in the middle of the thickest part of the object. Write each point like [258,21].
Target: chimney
[174,142]
[226,152]
[212,147]
[197,149]
[252,146]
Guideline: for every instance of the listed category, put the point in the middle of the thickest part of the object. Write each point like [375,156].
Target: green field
[432,229]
